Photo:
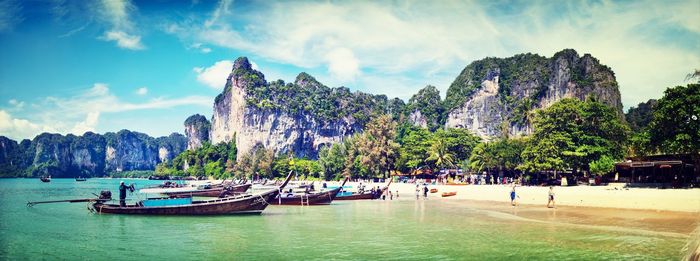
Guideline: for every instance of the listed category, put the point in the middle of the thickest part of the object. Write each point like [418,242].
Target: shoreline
[652,199]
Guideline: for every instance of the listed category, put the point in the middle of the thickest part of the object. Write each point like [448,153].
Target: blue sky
[76,66]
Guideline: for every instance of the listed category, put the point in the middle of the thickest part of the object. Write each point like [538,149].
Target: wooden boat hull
[250,204]
[363,196]
[448,194]
[45,179]
[80,179]
[212,192]
[323,198]
[359,196]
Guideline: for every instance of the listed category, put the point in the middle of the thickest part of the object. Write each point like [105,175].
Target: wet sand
[685,200]
[668,223]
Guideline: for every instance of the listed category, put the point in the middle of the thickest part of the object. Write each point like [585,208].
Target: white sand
[686,200]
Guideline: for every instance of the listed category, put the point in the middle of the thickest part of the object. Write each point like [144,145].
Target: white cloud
[214,76]
[16,105]
[81,112]
[425,40]
[124,40]
[200,47]
[222,9]
[10,15]
[15,128]
[89,124]
[142,91]
[342,64]
[116,13]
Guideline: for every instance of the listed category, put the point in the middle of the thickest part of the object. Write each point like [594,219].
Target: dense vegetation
[582,136]
[640,116]
[675,127]
[427,101]
[571,134]
[307,95]
[207,160]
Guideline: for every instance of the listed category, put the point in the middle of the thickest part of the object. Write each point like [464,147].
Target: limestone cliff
[496,96]
[197,131]
[88,155]
[297,117]
[424,109]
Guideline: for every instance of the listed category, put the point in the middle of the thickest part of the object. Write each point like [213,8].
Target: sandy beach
[684,200]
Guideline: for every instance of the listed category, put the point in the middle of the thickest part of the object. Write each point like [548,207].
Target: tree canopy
[573,133]
[675,127]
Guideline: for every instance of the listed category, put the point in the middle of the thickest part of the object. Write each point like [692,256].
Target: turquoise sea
[352,230]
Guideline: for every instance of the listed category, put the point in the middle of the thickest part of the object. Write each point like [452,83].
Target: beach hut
[658,171]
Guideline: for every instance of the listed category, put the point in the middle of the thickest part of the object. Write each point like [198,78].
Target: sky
[77,66]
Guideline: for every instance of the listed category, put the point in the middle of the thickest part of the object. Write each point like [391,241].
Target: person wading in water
[551,197]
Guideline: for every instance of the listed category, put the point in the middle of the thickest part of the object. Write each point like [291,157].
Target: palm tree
[438,152]
[477,160]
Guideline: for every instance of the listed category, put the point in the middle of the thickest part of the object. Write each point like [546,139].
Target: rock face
[424,109]
[88,155]
[495,96]
[299,117]
[197,131]
[491,97]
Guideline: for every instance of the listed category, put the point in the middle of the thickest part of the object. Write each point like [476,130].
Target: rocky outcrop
[491,97]
[424,109]
[254,121]
[496,96]
[88,155]
[197,131]
[482,113]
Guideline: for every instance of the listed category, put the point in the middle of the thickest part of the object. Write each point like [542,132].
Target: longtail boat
[214,191]
[448,194]
[80,179]
[321,198]
[45,179]
[365,195]
[244,204]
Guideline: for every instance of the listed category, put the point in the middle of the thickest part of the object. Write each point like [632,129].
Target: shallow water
[394,230]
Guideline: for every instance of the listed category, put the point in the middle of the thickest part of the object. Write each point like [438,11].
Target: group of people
[424,190]
[550,197]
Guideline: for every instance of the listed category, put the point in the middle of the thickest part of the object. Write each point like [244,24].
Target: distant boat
[80,179]
[448,194]
[321,198]
[45,179]
[365,195]
[212,191]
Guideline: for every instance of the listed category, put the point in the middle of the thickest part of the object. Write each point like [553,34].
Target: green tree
[503,155]
[376,146]
[571,134]
[602,166]
[675,127]
[459,142]
[414,148]
[332,160]
[439,153]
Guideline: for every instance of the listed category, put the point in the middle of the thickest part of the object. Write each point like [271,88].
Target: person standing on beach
[425,191]
[512,196]
[417,191]
[551,197]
